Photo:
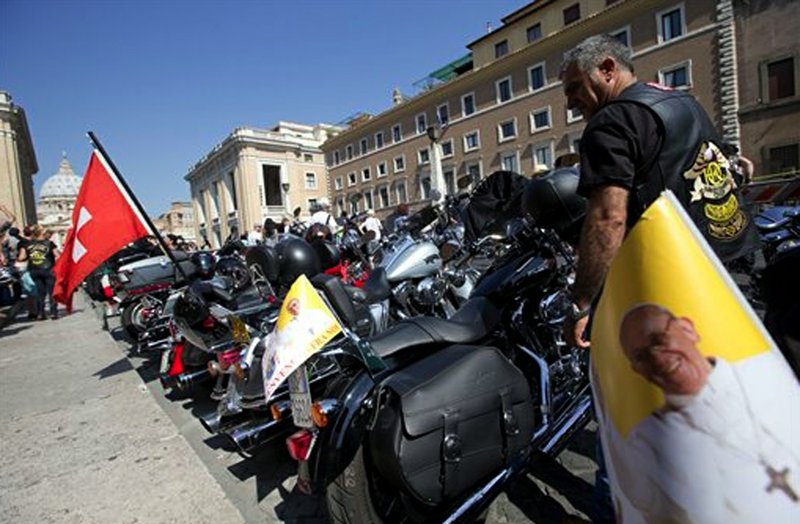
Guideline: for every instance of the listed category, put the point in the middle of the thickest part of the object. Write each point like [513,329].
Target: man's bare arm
[601,237]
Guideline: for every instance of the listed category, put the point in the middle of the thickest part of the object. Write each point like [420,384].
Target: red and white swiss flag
[104,221]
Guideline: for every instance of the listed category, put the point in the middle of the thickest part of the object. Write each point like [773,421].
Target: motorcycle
[429,420]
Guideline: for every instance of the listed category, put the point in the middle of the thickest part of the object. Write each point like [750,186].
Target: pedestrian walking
[40,254]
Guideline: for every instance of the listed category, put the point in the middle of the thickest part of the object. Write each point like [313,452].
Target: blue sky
[162,81]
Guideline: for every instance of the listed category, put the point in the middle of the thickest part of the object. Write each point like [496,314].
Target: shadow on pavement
[11,331]
[120,366]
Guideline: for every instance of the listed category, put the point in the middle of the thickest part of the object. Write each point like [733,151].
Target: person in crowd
[396,219]
[40,254]
[323,216]
[626,164]
[637,140]
[270,232]
[718,449]
[372,228]
[254,237]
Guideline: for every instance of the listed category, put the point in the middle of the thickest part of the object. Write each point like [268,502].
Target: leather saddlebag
[450,421]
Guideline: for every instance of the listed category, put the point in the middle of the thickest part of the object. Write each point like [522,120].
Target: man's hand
[573,332]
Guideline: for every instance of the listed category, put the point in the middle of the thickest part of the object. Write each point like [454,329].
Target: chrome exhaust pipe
[184,381]
[252,434]
[215,422]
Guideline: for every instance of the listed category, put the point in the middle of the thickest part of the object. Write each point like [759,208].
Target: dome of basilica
[65,183]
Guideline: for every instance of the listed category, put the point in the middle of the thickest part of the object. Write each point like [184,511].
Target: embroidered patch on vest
[713,186]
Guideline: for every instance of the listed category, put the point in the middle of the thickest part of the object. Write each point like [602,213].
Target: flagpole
[97,145]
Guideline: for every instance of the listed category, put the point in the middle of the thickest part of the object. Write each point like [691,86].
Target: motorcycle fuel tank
[412,259]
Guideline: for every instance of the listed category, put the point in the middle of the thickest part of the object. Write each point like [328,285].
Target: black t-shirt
[40,254]
[618,147]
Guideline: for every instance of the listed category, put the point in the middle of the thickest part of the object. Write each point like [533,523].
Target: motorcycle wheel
[131,319]
[358,495]
[348,496]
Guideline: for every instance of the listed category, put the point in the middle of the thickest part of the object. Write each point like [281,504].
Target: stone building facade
[503,107]
[178,220]
[254,174]
[17,163]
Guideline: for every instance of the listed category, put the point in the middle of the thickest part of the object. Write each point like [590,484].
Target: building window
[336,158]
[423,156]
[574,115]
[381,169]
[503,89]
[450,181]
[473,171]
[400,189]
[351,179]
[363,146]
[677,77]
[623,35]
[670,24]
[534,32]
[572,14]
[383,197]
[443,114]
[367,200]
[425,187]
[365,174]
[536,77]
[543,155]
[379,140]
[501,49]
[399,164]
[468,104]
[311,181]
[349,152]
[447,149]
[312,203]
[507,130]
[784,159]
[422,123]
[353,206]
[308,157]
[780,79]
[339,183]
[397,133]
[472,141]
[271,179]
[509,161]
[540,119]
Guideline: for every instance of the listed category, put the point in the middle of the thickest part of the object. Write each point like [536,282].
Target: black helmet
[190,309]
[205,264]
[296,257]
[553,202]
[234,268]
[327,253]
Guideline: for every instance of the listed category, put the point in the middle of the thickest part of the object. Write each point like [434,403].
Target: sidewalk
[83,440]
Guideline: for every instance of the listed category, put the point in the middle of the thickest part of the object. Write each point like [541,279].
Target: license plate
[300,396]
[164,361]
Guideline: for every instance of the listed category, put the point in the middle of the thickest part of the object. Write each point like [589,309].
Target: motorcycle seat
[248,298]
[473,321]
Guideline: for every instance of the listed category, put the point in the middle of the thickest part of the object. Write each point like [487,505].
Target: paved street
[91,437]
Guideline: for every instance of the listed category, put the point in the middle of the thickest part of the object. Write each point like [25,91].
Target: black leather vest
[691,165]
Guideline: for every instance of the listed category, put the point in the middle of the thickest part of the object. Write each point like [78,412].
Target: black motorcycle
[429,420]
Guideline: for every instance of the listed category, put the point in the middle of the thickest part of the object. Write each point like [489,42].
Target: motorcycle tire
[129,319]
[348,496]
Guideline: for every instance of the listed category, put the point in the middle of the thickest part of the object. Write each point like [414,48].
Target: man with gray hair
[640,140]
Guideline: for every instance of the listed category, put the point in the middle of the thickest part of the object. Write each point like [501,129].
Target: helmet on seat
[205,264]
[553,202]
[296,257]
[234,268]
[190,309]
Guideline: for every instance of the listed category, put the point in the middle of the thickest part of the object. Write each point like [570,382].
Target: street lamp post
[438,186]
[285,187]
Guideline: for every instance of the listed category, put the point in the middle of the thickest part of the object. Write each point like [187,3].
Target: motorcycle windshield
[492,204]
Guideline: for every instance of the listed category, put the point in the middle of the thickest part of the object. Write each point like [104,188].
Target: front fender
[337,444]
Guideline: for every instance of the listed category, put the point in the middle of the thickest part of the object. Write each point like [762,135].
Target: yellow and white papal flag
[699,413]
